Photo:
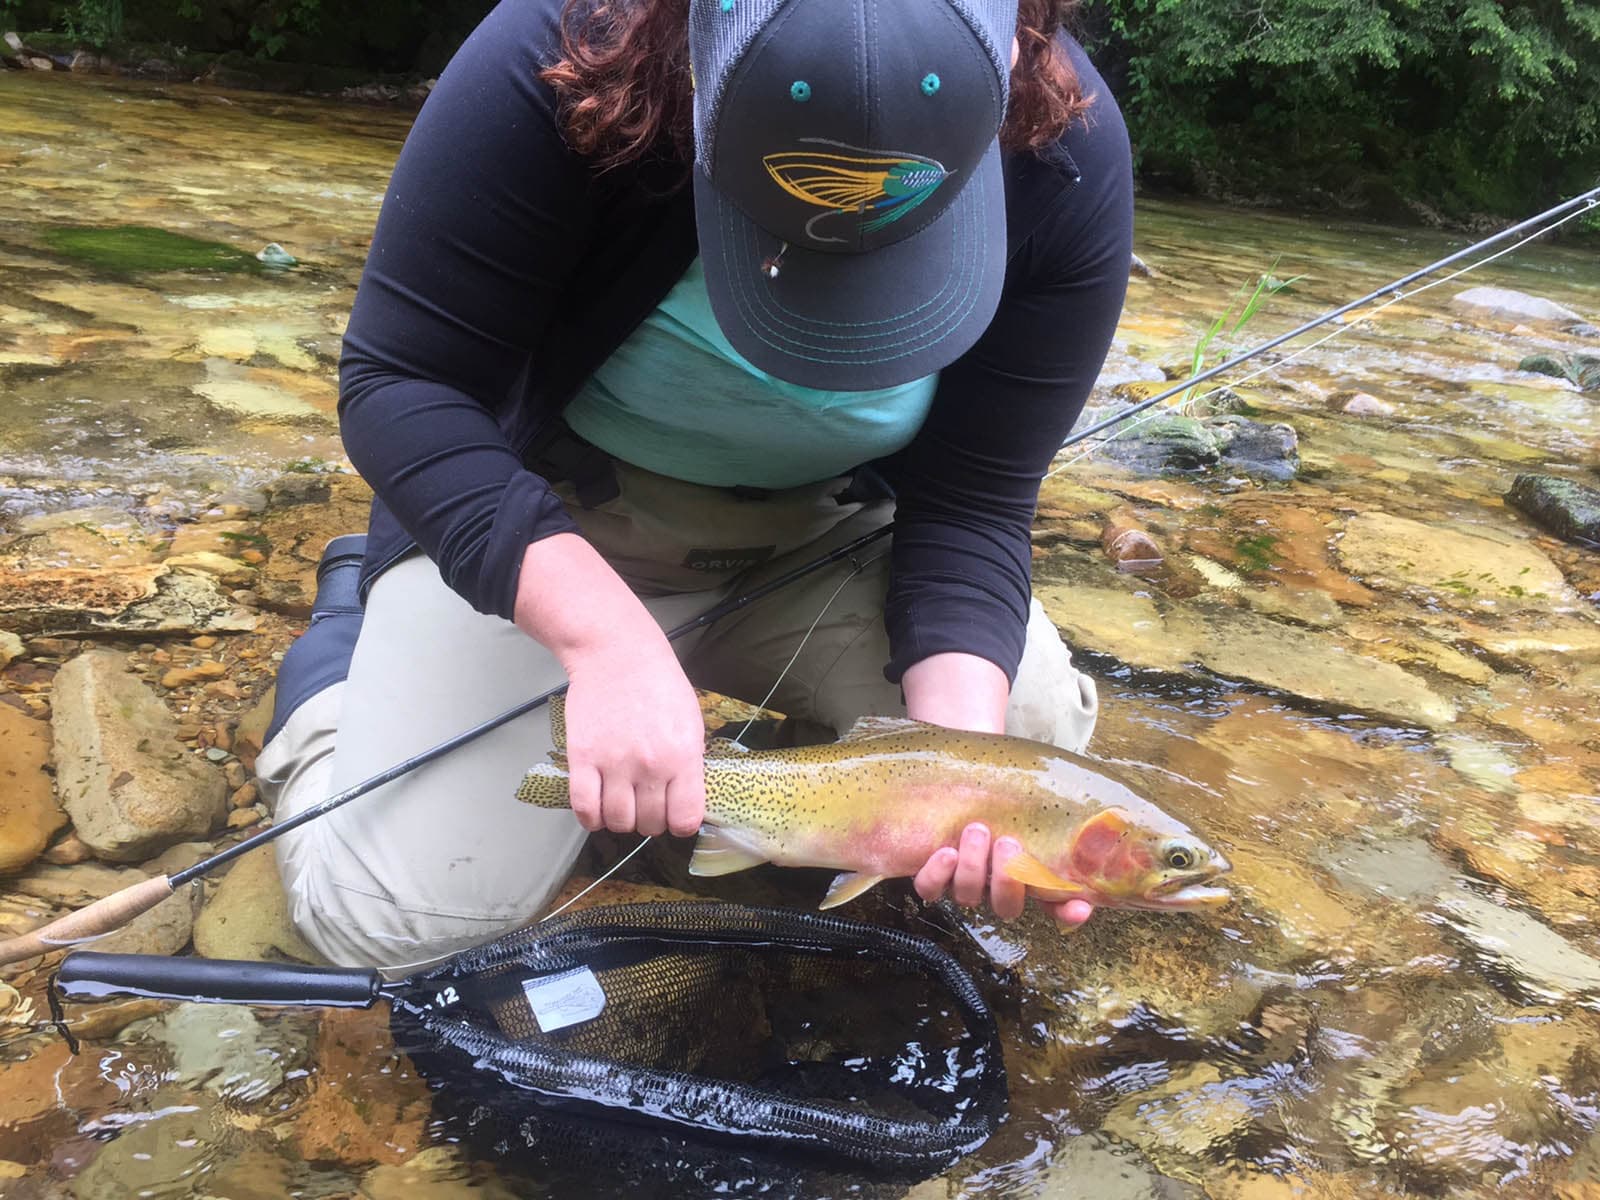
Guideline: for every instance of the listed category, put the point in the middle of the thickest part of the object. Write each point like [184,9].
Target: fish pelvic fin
[875,726]
[545,785]
[1029,871]
[847,886]
[719,852]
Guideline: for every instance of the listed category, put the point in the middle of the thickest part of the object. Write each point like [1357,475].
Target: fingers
[972,866]
[583,791]
[617,804]
[650,806]
[1006,896]
[686,802]
[1071,913]
[937,873]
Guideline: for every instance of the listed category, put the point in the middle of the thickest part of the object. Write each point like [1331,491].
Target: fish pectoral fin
[721,746]
[875,726]
[719,852]
[1029,871]
[847,886]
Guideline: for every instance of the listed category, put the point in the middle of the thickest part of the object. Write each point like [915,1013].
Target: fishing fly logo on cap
[848,186]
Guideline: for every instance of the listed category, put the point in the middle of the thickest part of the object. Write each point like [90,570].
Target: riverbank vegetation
[1440,110]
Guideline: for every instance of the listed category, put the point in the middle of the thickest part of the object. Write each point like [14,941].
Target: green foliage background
[1466,106]
[1395,107]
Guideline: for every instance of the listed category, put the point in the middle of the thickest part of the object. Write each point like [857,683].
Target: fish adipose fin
[1028,870]
[719,853]
[848,886]
[871,727]
[545,786]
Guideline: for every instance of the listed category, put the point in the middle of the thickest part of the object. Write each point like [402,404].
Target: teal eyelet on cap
[727,5]
[930,84]
[800,91]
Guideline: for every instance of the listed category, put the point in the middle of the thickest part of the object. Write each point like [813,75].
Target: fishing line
[793,658]
[1577,206]
[1397,297]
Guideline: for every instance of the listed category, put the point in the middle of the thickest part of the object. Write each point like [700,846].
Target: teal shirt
[677,399]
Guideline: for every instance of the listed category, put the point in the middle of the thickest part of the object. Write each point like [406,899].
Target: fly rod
[1392,291]
[116,910]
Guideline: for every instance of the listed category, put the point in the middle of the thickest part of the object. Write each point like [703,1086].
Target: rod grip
[91,921]
[86,975]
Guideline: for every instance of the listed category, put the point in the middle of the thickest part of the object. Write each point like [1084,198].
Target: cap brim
[858,322]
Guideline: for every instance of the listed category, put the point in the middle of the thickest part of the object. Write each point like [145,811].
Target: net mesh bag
[750,1027]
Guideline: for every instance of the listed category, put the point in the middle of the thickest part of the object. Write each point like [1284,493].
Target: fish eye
[1180,858]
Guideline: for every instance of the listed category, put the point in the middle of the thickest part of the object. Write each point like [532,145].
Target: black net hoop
[675,977]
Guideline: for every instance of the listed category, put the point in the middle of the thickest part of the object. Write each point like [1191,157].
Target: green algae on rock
[140,249]
[1565,507]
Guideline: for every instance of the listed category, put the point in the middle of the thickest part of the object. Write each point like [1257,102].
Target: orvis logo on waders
[736,559]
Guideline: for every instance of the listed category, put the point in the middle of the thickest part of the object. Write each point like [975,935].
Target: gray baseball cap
[848,190]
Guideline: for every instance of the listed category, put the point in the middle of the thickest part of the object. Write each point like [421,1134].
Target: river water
[1375,686]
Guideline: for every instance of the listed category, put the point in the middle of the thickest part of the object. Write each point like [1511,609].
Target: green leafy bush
[1465,105]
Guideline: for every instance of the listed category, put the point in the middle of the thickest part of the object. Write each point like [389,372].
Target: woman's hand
[964,871]
[635,741]
[964,691]
[635,736]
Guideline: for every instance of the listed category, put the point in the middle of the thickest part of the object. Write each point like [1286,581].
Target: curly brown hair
[623,79]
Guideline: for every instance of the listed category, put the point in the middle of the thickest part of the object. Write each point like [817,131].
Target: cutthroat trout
[879,801]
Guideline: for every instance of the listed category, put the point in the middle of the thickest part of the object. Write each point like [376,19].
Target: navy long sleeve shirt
[505,269]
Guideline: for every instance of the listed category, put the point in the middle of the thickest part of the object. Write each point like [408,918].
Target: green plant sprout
[1267,285]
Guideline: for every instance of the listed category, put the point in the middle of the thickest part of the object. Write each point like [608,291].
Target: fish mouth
[1193,895]
[1190,891]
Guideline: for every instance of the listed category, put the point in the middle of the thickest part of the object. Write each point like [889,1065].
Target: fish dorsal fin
[1029,871]
[558,721]
[719,852]
[848,886]
[721,747]
[872,726]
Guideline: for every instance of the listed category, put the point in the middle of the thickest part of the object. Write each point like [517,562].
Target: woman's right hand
[635,741]
[635,736]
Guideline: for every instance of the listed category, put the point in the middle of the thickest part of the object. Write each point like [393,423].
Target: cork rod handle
[90,922]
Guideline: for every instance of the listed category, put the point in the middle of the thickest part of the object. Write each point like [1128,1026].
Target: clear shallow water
[1376,688]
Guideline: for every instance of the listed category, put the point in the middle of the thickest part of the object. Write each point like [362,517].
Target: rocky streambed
[1343,617]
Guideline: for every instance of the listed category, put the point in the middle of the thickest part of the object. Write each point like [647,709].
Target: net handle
[86,975]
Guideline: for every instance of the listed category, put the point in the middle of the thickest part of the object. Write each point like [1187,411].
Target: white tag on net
[569,998]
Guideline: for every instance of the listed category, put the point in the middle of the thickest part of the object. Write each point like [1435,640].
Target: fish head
[1126,863]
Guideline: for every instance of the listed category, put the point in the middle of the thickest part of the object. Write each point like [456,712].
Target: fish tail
[545,785]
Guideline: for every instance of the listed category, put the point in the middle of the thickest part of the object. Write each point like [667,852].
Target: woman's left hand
[966,872]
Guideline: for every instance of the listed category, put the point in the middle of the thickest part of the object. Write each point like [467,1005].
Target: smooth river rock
[1314,665]
[249,915]
[1503,302]
[128,783]
[29,814]
[1453,563]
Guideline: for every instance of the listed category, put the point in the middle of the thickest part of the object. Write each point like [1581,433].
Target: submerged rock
[225,1049]
[29,814]
[1582,370]
[1565,507]
[121,772]
[1179,443]
[1526,955]
[166,1154]
[249,915]
[1454,564]
[1503,302]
